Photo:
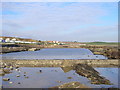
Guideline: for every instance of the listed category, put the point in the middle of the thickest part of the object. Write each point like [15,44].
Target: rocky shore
[89,72]
[71,85]
[81,69]
[112,52]
[18,48]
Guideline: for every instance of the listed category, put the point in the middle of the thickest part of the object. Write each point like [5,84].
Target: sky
[61,21]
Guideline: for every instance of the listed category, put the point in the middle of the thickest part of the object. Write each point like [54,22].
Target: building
[1,39]
[7,40]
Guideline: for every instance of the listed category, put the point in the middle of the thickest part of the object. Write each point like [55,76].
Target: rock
[97,53]
[40,70]
[16,66]
[1,72]
[17,69]
[67,68]
[18,82]
[10,82]
[6,70]
[71,85]
[32,49]
[59,81]
[25,72]
[6,79]
[11,67]
[69,77]
[26,77]
[17,75]
[91,74]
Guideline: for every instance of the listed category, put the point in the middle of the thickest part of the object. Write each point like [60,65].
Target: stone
[18,82]
[69,77]
[25,72]
[11,67]
[59,81]
[6,70]
[10,82]
[17,69]
[71,85]
[89,72]
[26,77]
[17,75]
[6,79]
[1,72]
[40,70]
[32,49]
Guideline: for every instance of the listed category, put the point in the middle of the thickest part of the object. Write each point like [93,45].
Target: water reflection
[54,76]
[54,53]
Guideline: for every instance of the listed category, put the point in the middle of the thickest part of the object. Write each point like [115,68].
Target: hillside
[20,39]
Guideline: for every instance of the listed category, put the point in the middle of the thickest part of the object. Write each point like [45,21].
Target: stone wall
[62,63]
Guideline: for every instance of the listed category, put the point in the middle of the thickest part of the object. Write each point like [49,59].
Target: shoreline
[112,52]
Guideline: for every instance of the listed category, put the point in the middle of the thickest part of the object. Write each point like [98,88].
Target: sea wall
[62,63]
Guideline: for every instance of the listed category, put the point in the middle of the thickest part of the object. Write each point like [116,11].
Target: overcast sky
[62,21]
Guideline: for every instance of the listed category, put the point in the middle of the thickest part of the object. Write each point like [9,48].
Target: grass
[102,43]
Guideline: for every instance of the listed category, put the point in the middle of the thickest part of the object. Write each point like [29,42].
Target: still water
[54,53]
[54,76]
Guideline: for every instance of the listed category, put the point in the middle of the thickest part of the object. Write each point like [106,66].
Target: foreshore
[82,67]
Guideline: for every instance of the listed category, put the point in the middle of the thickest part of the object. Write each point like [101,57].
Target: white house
[13,40]
[7,40]
[1,39]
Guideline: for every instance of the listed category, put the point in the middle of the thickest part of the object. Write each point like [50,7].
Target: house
[13,40]
[7,40]
[1,39]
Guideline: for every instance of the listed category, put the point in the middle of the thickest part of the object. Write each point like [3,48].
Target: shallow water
[54,53]
[53,76]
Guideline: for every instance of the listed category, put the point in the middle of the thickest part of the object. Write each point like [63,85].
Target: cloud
[55,21]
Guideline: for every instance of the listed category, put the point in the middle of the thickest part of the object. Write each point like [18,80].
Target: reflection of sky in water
[0,81]
[51,75]
[110,74]
[56,53]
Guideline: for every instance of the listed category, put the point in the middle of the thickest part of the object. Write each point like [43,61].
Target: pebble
[17,69]
[18,82]
[40,70]
[17,75]
[11,68]
[59,81]
[6,70]
[69,77]
[10,82]
[6,79]
[25,72]
[26,77]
